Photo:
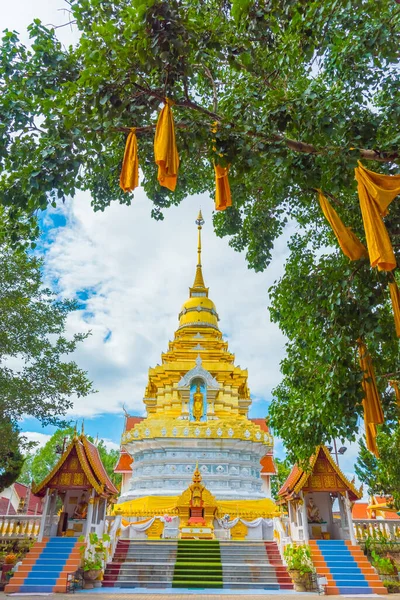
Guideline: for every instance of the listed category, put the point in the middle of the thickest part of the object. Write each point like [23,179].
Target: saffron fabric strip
[373,413]
[129,178]
[375,193]
[348,241]
[222,190]
[395,297]
[165,150]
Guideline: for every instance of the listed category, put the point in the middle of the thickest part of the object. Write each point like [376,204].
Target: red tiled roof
[124,464]
[359,510]
[98,467]
[291,481]
[34,502]
[267,464]
[6,507]
[261,423]
[298,477]
[131,422]
[90,463]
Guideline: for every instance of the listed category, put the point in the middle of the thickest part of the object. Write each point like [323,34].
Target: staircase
[275,559]
[141,564]
[46,566]
[247,565]
[197,564]
[346,568]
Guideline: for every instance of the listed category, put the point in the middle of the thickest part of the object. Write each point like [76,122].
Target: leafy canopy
[382,475]
[11,458]
[35,377]
[300,91]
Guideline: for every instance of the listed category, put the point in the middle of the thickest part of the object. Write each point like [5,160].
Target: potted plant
[94,555]
[299,565]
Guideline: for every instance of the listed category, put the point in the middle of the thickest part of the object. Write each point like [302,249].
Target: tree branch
[210,77]
[295,145]
[63,25]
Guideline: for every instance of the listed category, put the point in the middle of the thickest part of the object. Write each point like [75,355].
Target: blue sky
[129,291]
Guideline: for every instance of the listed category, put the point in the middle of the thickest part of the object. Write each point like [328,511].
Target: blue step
[355,590]
[29,589]
[346,574]
[49,566]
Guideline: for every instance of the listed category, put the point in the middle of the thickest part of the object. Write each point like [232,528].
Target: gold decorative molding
[169,427]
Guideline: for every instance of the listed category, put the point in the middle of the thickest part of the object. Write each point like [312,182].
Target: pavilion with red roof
[81,487]
[310,494]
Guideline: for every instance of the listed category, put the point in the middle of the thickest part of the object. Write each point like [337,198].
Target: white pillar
[44,515]
[305,519]
[89,515]
[350,520]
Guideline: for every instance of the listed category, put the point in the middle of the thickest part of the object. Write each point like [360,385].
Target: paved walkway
[191,596]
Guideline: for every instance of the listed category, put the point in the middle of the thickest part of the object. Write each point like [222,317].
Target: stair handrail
[113,529]
[281,534]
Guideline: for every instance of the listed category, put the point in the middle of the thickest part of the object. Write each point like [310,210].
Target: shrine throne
[196,515]
[196,509]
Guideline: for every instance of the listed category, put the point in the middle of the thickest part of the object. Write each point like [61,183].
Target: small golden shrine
[77,491]
[196,509]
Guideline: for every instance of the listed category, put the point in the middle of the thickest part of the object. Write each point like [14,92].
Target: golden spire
[198,280]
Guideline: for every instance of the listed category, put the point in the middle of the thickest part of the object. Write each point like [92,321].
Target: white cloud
[139,271]
[110,445]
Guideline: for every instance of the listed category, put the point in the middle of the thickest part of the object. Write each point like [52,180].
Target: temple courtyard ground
[193,596]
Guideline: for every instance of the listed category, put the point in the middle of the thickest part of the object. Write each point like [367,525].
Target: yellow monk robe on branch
[129,178]
[348,241]
[222,190]
[376,192]
[395,297]
[373,413]
[165,151]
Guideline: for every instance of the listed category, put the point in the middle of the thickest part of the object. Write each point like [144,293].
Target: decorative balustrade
[19,526]
[364,528]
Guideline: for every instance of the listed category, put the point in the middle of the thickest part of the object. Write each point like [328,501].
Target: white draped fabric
[140,526]
[255,523]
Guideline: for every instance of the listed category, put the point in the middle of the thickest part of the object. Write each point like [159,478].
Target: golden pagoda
[197,404]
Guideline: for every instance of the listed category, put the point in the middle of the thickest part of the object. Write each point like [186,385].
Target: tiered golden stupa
[197,404]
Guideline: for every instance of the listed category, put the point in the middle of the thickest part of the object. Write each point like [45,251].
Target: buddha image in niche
[313,515]
[197,404]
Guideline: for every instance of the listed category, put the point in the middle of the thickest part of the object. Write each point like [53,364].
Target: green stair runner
[198,565]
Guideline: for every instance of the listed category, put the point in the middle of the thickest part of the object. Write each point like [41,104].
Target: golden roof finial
[83,427]
[196,474]
[198,280]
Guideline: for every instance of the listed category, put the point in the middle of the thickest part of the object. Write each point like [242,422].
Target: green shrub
[298,558]
[393,587]
[382,564]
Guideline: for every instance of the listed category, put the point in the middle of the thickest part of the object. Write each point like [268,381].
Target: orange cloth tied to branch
[165,151]
[395,297]
[348,241]
[129,178]
[222,190]
[376,192]
[373,413]
[395,386]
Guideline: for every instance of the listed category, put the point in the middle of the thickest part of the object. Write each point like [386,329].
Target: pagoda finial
[83,427]
[198,280]
[196,474]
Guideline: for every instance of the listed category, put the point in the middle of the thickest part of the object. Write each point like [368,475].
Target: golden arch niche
[198,400]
